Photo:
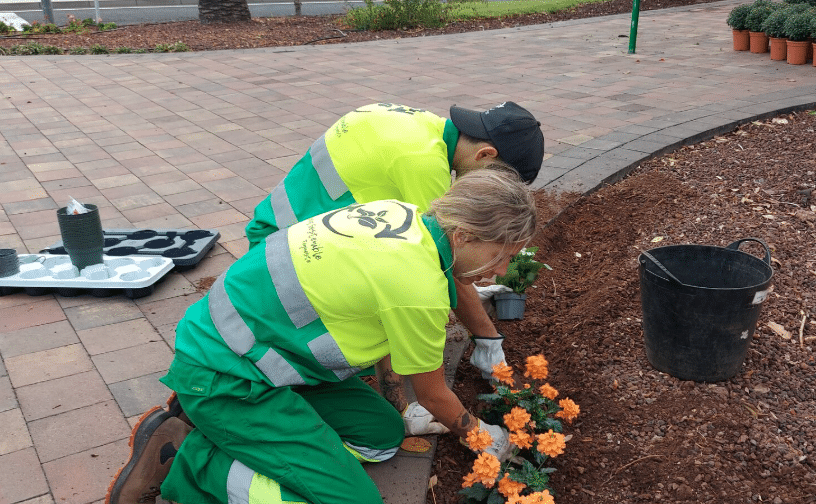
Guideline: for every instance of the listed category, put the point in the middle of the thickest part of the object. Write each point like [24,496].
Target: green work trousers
[293,435]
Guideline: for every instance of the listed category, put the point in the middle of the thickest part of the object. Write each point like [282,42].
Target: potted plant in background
[739,30]
[760,10]
[797,31]
[521,273]
[813,39]
[774,27]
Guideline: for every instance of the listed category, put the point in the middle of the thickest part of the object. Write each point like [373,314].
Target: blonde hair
[491,205]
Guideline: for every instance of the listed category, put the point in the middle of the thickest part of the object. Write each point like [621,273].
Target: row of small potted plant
[788,27]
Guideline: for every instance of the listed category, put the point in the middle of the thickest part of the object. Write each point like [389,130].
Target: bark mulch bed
[644,436]
[299,30]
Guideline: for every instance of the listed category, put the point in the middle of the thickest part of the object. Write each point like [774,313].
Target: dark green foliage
[399,14]
[34,48]
[737,17]
[774,25]
[4,28]
[797,26]
[99,49]
[760,10]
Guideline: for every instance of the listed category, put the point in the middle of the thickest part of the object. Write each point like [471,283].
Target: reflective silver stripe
[373,454]
[282,271]
[238,482]
[278,370]
[328,354]
[284,214]
[324,166]
[232,328]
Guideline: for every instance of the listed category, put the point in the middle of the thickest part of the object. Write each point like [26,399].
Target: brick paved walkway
[196,140]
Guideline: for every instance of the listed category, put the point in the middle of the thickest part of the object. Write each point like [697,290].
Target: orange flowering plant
[533,414]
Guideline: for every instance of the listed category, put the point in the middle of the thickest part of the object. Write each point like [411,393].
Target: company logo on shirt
[390,222]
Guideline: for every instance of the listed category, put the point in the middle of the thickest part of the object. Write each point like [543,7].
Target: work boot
[155,440]
[174,408]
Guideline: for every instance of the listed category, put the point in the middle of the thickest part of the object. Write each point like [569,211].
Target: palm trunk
[223,11]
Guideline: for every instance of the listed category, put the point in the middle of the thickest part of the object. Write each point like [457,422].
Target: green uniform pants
[297,436]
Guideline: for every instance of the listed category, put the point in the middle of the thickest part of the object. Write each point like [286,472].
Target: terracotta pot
[797,52]
[812,51]
[759,42]
[742,40]
[779,49]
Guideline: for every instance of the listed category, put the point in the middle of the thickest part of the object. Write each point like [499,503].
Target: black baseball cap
[511,129]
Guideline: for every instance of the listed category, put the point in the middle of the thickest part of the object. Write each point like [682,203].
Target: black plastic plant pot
[9,263]
[700,307]
[82,236]
[510,305]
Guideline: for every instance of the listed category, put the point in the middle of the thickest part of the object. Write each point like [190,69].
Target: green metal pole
[633,28]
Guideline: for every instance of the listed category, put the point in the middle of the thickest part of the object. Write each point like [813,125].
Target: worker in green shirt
[266,363]
[389,151]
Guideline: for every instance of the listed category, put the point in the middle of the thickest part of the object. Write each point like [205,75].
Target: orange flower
[522,439]
[516,419]
[486,469]
[548,391]
[542,497]
[569,410]
[469,480]
[478,439]
[536,367]
[551,443]
[503,373]
[526,386]
[508,487]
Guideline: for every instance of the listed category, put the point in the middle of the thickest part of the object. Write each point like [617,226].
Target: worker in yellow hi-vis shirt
[266,363]
[390,151]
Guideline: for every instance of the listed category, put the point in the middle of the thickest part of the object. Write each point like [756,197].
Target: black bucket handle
[736,246]
[732,246]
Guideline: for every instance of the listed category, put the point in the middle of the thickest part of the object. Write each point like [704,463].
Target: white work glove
[419,421]
[486,296]
[501,448]
[488,353]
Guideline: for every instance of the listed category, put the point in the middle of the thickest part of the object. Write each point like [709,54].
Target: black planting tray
[186,247]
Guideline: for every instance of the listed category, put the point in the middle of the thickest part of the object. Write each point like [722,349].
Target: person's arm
[471,312]
[391,386]
[434,395]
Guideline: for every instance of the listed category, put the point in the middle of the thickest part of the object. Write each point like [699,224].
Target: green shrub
[774,25]
[760,10]
[106,26]
[162,48]
[797,26]
[813,27]
[77,50]
[180,47]
[99,49]
[399,14]
[34,48]
[4,28]
[74,26]
[737,17]
[123,50]
[88,22]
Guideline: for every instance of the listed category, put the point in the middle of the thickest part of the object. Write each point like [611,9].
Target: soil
[297,30]
[644,436]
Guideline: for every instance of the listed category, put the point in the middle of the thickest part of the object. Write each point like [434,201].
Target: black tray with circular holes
[186,247]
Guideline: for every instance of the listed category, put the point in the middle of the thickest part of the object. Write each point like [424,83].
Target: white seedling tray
[127,272]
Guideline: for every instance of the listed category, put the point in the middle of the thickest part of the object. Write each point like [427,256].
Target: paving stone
[78,430]
[47,365]
[21,476]
[37,338]
[14,434]
[133,362]
[85,476]
[57,396]
[137,395]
